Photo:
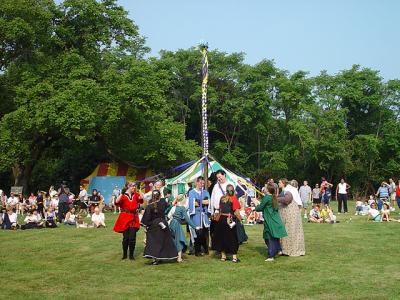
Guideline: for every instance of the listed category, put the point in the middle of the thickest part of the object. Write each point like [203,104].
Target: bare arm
[237,214]
[118,198]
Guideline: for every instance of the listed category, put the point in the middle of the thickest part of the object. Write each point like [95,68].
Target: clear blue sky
[309,35]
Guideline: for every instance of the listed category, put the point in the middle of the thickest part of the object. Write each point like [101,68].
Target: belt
[226,215]
[132,211]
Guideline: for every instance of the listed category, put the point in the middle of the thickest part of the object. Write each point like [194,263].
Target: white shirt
[342,188]
[13,218]
[216,195]
[82,195]
[98,218]
[295,194]
[13,200]
[374,212]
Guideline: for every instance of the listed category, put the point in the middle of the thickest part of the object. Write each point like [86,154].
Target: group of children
[377,210]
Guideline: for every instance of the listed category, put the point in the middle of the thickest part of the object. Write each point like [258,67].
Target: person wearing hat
[159,243]
[128,222]
[177,215]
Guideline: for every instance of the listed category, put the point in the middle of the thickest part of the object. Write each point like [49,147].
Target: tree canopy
[77,88]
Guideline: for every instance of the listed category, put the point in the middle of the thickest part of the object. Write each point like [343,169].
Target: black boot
[132,245]
[124,249]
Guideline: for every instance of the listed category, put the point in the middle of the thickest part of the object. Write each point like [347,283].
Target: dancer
[128,220]
[177,215]
[198,206]
[225,237]
[273,225]
[159,243]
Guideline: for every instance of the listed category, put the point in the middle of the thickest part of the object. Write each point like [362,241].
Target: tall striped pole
[204,121]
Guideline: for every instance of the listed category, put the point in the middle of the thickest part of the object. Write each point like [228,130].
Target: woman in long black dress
[159,243]
[226,239]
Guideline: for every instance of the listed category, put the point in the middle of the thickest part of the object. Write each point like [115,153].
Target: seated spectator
[315,215]
[32,220]
[386,212]
[50,217]
[373,213]
[94,201]
[9,219]
[98,218]
[371,200]
[331,217]
[359,207]
[80,223]
[365,209]
[70,217]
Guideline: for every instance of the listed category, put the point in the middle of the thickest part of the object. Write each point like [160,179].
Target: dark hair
[199,178]
[220,171]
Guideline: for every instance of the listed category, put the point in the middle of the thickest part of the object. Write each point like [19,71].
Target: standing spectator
[40,203]
[398,194]
[63,198]
[115,194]
[316,194]
[392,191]
[305,195]
[382,194]
[341,195]
[326,192]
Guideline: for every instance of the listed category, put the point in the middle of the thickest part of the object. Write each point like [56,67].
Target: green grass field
[357,260]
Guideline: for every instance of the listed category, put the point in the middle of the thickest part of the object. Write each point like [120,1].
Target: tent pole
[204,123]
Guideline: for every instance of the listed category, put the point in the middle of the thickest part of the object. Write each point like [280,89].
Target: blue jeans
[274,246]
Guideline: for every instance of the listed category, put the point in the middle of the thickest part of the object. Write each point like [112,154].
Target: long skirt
[293,244]
[225,238]
[159,242]
[241,233]
[178,235]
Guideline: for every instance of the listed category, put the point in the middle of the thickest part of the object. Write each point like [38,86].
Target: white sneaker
[305,216]
[270,259]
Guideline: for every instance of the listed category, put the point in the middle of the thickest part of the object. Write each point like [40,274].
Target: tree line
[77,87]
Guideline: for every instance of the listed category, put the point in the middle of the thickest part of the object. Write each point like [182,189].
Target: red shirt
[128,219]
[398,191]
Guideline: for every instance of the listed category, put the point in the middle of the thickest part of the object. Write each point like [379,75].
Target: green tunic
[273,225]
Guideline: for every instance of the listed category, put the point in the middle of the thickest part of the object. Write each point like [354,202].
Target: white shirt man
[82,194]
[218,191]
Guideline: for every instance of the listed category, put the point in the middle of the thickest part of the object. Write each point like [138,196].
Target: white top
[342,188]
[374,212]
[12,200]
[13,217]
[98,218]
[305,193]
[216,195]
[82,195]
[295,194]
[32,219]
[359,203]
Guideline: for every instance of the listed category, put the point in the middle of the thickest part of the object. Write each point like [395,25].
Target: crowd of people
[214,216]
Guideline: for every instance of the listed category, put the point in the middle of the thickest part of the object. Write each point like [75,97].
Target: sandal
[235,260]
[223,258]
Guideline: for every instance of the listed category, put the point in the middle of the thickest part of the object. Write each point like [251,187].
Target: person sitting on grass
[315,215]
[50,217]
[359,207]
[373,213]
[331,218]
[365,208]
[70,217]
[371,200]
[98,218]
[9,219]
[386,212]
[32,220]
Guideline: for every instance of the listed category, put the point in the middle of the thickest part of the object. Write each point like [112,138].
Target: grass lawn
[357,260]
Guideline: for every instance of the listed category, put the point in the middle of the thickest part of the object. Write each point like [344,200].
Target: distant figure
[341,195]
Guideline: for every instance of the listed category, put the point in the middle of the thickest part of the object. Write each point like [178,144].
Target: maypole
[204,121]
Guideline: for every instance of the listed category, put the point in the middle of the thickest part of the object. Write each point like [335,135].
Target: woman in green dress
[273,225]
[177,216]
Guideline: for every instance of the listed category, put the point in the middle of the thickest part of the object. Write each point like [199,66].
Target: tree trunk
[21,176]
